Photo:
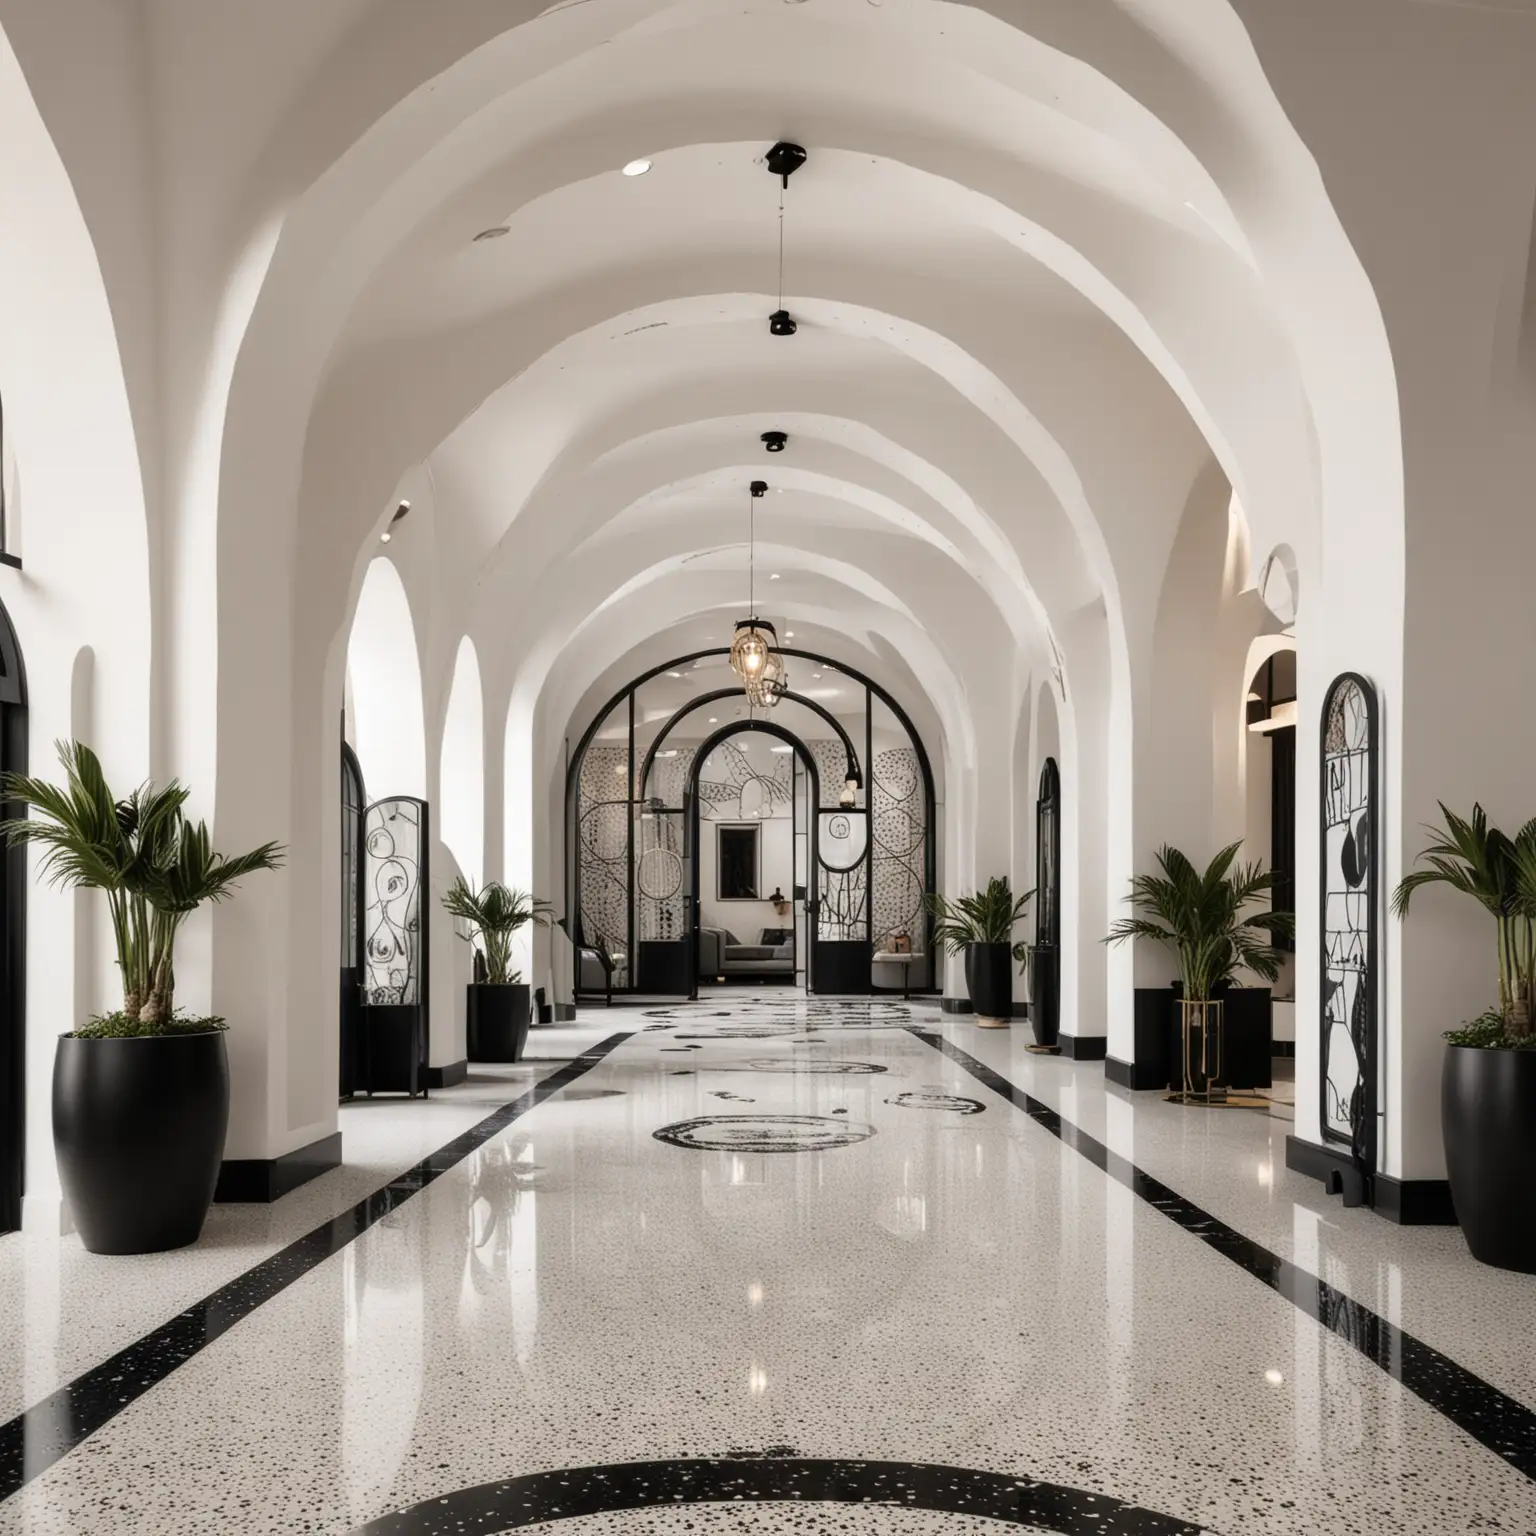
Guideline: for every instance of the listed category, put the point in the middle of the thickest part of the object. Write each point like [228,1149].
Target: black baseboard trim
[1021,1010]
[565,1013]
[957,1005]
[1415,1202]
[1134,1075]
[447,1077]
[261,1180]
[1408,1202]
[1283,1048]
[1085,1047]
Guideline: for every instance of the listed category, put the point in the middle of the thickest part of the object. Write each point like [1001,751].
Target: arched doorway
[628,881]
[1045,964]
[745,803]
[13,937]
[354,806]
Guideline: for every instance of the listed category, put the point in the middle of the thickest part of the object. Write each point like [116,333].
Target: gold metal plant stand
[1203,1035]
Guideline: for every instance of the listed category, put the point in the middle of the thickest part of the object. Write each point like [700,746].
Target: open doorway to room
[1271,808]
[751,797]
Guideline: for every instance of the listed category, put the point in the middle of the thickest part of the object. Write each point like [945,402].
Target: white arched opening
[461,790]
[385,674]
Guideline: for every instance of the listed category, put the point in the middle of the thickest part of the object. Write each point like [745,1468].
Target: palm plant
[1201,916]
[495,914]
[983,917]
[1499,873]
[154,865]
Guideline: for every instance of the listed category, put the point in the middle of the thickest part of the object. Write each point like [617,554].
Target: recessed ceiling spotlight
[789,634]
[495,232]
[637,167]
[400,512]
[774,576]
[775,442]
[816,677]
[781,323]
[714,720]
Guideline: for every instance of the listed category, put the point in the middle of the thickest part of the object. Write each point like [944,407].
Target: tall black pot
[497,1020]
[989,980]
[138,1129]
[1488,1119]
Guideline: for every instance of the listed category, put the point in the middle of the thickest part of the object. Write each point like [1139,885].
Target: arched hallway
[990,536]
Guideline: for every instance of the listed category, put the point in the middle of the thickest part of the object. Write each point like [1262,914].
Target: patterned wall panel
[900,836]
[1349,915]
[392,844]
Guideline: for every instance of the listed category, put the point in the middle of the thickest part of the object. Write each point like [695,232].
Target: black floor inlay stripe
[573,1492]
[33,1441]
[1490,1416]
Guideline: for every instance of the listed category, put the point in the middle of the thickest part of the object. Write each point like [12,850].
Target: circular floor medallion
[931,1098]
[819,1491]
[811,1064]
[764,1133]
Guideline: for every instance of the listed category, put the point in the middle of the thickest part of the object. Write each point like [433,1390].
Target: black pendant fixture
[783,160]
[755,654]
[775,442]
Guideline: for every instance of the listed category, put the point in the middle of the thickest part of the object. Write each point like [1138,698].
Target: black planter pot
[1488,1119]
[138,1128]
[989,979]
[497,1018]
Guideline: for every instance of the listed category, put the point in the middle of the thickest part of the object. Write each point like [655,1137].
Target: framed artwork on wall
[738,862]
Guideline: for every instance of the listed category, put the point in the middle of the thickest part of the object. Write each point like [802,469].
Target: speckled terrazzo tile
[959,1289]
[1232,1163]
[63,1310]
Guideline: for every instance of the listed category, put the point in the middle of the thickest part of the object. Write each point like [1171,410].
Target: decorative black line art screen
[394,838]
[843,879]
[1349,858]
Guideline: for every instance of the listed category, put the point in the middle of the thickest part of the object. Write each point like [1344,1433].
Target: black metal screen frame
[570,921]
[13,937]
[1363,1117]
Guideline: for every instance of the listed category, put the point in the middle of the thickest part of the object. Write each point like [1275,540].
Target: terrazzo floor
[771,1265]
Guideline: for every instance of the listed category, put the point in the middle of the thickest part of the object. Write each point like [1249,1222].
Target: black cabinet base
[261,1180]
[1408,1202]
[957,1005]
[1084,1047]
[565,1013]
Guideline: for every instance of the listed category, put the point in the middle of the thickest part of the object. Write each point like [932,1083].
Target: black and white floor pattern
[783,1265]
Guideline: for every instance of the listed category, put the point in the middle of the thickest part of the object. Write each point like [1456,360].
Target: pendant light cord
[781,248]
[751,554]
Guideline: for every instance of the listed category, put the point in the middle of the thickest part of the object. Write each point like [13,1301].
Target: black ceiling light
[783,160]
[775,442]
[759,488]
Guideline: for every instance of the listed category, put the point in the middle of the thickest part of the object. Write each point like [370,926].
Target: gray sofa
[721,953]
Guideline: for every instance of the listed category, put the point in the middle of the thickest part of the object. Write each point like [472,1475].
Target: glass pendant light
[755,655]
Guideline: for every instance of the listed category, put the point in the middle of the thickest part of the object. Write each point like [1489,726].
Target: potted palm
[140,1095]
[980,927]
[1488,1081]
[1203,916]
[497,1008]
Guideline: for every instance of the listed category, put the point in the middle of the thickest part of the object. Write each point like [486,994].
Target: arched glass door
[1045,958]
[354,803]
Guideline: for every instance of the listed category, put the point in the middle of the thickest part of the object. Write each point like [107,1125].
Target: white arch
[384,665]
[461,777]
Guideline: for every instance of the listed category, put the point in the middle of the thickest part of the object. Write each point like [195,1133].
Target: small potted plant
[497,1008]
[1488,1082]
[141,1095]
[1203,917]
[980,927]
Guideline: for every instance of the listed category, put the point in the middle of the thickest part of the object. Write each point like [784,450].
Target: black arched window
[13,937]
